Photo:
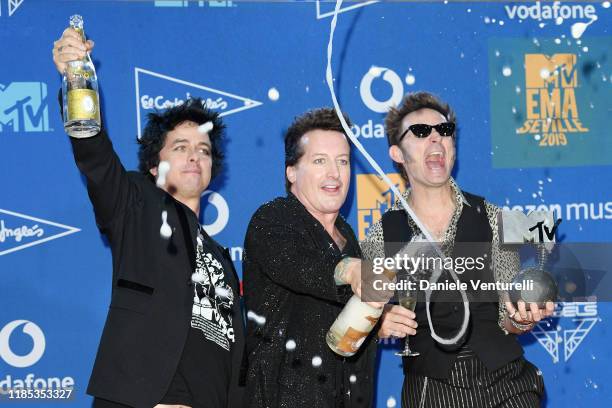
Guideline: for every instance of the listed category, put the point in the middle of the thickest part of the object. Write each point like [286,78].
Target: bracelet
[522,327]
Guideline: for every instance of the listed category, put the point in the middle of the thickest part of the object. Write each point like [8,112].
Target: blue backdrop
[531,84]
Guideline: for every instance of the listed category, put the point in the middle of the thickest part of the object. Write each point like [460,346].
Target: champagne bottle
[352,326]
[357,319]
[80,99]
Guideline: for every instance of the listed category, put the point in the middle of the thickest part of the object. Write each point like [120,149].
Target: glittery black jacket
[288,272]
[152,293]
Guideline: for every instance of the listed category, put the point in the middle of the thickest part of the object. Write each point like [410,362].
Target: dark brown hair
[413,102]
[323,119]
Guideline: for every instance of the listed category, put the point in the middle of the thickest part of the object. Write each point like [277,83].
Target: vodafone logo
[222,208]
[385,74]
[38,346]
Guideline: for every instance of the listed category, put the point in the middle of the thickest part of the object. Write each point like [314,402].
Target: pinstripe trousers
[518,384]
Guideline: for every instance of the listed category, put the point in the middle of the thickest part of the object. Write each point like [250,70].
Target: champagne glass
[408,300]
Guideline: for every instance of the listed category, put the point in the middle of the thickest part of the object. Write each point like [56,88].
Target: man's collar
[458,192]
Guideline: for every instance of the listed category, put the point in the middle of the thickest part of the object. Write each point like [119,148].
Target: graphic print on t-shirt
[213,299]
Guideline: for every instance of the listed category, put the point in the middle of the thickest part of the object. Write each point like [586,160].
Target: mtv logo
[558,69]
[24,107]
[326,8]
[20,231]
[517,228]
[374,197]
[155,91]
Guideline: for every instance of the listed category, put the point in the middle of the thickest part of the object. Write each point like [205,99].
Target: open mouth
[331,188]
[435,161]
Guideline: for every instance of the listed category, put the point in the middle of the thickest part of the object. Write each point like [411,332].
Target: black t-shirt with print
[204,372]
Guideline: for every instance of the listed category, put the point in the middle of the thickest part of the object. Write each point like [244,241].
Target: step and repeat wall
[531,84]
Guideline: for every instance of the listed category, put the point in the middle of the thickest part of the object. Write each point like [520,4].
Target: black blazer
[288,278]
[152,293]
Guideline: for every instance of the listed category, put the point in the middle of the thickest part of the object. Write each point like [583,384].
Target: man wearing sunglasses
[486,366]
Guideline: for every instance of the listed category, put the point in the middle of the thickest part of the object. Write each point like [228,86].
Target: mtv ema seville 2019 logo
[374,197]
[549,102]
[550,99]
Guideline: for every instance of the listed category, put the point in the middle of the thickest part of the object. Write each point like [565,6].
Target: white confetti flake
[559,20]
[375,71]
[557,41]
[544,73]
[605,4]
[273,94]
[353,378]
[162,170]
[290,345]
[391,402]
[537,137]
[585,49]
[506,71]
[205,127]
[410,79]
[165,231]
[197,277]
[317,361]
[579,28]
[259,320]
[225,293]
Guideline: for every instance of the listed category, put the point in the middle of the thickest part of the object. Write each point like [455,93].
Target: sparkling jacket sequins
[288,280]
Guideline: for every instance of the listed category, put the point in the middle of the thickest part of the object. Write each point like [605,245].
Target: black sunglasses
[422,130]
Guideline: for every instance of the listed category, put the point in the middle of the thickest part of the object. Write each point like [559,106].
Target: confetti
[205,127]
[259,320]
[290,345]
[162,170]
[165,231]
[273,94]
